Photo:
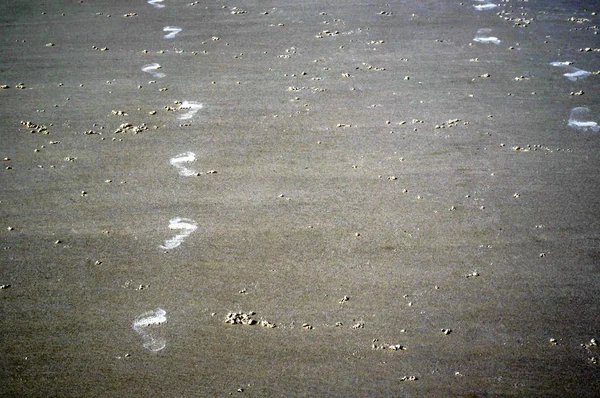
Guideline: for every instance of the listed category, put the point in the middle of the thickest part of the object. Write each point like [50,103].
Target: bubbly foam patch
[146,320]
[185,225]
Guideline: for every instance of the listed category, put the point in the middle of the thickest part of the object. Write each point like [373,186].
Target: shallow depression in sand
[573,73]
[580,120]
[482,36]
[173,31]
[179,162]
[185,225]
[485,6]
[151,68]
[193,107]
[146,320]
[156,3]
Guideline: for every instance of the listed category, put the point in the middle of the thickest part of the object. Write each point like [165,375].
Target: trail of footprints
[579,118]
[148,323]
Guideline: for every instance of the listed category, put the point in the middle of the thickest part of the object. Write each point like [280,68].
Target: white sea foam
[181,159]
[150,318]
[185,225]
[174,30]
[151,68]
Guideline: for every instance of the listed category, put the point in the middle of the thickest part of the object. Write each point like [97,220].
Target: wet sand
[415,211]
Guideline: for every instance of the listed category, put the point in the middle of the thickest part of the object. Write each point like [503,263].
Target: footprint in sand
[156,4]
[483,36]
[185,225]
[179,161]
[573,73]
[193,108]
[173,31]
[145,322]
[580,120]
[150,68]
[485,6]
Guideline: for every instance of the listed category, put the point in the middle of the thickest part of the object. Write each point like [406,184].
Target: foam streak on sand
[147,319]
[193,107]
[580,120]
[174,30]
[150,68]
[178,161]
[186,225]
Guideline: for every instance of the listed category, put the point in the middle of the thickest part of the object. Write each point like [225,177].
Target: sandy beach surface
[300,198]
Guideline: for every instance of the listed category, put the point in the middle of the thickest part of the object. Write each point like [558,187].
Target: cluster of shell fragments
[242,318]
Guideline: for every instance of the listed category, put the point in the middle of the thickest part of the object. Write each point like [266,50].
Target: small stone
[409,378]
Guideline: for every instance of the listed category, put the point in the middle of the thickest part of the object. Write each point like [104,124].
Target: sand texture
[299,198]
